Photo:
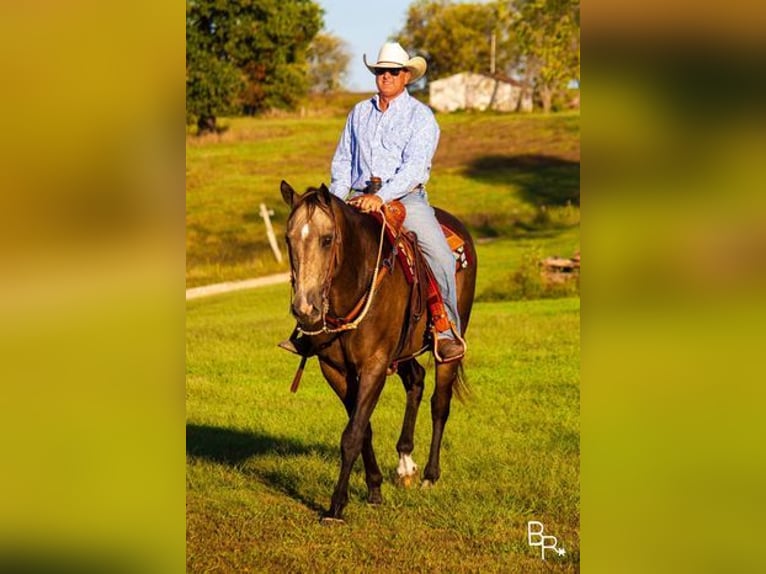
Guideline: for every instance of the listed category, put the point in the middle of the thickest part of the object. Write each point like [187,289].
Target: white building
[470,91]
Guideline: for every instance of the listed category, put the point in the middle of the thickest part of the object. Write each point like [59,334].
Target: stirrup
[457,338]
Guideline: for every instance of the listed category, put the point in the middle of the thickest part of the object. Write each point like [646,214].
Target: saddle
[395,213]
[417,271]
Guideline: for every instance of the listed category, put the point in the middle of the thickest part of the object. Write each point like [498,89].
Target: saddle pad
[457,244]
[404,247]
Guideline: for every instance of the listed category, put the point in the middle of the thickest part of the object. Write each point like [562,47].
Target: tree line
[249,56]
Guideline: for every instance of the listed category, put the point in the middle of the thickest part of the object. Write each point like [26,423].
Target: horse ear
[288,193]
[324,194]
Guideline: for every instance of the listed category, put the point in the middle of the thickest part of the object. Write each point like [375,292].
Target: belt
[418,187]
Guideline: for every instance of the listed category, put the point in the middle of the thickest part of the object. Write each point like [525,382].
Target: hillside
[508,176]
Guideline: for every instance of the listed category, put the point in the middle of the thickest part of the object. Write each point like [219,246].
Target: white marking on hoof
[426,484]
[407,466]
[304,231]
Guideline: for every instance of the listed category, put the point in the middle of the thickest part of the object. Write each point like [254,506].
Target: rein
[369,294]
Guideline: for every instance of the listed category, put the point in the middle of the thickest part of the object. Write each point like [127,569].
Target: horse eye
[326,240]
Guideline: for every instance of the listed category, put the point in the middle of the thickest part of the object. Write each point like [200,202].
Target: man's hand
[367,202]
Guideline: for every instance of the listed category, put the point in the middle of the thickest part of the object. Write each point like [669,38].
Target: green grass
[506,175]
[262,462]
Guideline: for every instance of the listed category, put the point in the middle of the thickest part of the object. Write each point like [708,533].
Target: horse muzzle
[306,312]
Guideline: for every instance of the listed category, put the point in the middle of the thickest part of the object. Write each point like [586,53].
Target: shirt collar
[398,100]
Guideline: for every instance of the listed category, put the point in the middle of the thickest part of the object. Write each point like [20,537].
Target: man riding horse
[385,154]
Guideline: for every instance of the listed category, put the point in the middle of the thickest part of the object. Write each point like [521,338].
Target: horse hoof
[427,484]
[331,521]
[408,481]
[375,498]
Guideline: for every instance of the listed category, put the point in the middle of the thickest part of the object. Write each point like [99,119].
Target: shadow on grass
[542,179]
[234,447]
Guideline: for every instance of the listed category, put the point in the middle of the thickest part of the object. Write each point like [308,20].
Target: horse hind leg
[446,378]
[412,375]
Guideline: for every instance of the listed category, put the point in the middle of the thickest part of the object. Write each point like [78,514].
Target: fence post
[266,214]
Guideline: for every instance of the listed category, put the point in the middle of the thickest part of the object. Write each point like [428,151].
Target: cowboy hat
[392,55]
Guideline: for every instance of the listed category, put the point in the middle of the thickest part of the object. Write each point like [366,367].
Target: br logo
[535,537]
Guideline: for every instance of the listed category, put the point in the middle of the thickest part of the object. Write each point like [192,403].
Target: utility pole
[492,53]
[266,214]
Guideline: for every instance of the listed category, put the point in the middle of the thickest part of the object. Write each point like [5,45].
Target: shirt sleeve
[417,156]
[340,170]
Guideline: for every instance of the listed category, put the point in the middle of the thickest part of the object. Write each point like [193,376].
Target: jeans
[422,220]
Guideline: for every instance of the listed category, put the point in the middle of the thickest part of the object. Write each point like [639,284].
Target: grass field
[507,176]
[262,462]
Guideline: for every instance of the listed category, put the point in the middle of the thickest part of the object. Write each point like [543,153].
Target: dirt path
[215,289]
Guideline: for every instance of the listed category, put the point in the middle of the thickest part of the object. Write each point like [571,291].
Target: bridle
[330,324]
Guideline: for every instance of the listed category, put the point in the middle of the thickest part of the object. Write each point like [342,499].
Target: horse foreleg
[356,439]
[373,476]
[446,373]
[412,375]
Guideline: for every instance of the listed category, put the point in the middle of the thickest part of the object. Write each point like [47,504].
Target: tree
[453,37]
[246,56]
[212,83]
[537,41]
[548,33]
[328,57]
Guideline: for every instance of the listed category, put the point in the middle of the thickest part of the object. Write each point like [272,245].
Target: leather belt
[418,187]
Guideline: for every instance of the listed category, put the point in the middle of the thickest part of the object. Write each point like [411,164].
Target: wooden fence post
[266,214]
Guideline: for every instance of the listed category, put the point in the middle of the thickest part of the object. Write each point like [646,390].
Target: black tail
[460,385]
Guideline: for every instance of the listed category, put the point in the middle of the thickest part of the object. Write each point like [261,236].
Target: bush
[528,282]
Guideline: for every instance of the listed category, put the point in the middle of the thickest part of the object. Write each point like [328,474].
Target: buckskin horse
[364,320]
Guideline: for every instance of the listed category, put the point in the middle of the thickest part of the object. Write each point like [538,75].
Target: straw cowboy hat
[392,55]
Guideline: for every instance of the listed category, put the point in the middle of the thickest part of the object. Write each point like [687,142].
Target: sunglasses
[393,71]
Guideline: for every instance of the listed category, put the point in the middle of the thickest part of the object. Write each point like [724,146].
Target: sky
[365,25]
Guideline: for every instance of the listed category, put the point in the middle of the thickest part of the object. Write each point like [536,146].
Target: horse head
[312,238]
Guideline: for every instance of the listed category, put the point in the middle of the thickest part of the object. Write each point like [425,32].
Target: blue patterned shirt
[396,145]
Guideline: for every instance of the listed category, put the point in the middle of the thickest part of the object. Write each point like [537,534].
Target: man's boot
[297,345]
[449,349]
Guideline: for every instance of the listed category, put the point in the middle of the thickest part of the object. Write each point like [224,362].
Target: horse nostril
[302,309]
